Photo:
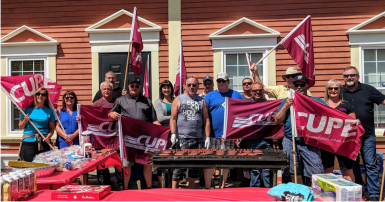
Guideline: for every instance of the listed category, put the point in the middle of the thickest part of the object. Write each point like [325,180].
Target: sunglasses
[134,86]
[302,84]
[207,84]
[67,98]
[351,75]
[221,81]
[257,90]
[333,88]
[42,94]
[247,83]
[193,85]
[291,76]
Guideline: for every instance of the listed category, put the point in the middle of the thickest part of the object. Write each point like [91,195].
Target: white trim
[231,44]
[94,28]
[9,132]
[23,28]
[355,29]
[271,32]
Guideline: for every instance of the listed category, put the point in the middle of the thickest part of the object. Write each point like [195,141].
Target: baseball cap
[289,71]
[207,78]
[135,79]
[301,78]
[223,75]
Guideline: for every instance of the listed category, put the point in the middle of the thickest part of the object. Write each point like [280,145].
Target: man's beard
[350,83]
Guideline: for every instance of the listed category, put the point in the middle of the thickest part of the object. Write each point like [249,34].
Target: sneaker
[245,183]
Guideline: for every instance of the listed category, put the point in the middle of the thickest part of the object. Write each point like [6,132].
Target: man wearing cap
[280,91]
[363,97]
[308,157]
[216,104]
[116,90]
[209,86]
[134,105]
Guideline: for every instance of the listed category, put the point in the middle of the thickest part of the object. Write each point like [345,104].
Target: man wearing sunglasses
[216,105]
[135,105]
[116,90]
[208,86]
[363,97]
[308,157]
[280,91]
[246,86]
[190,119]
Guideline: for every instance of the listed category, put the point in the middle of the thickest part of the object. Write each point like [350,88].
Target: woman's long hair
[163,84]
[46,102]
[69,92]
[330,83]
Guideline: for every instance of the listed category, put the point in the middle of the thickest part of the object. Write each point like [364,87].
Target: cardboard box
[335,188]
[81,192]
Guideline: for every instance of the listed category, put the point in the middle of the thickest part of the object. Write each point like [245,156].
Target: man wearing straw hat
[280,91]
[308,158]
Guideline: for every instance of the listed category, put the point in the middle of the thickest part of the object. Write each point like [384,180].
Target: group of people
[196,121]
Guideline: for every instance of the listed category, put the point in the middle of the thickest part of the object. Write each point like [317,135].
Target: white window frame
[362,71]
[243,51]
[9,132]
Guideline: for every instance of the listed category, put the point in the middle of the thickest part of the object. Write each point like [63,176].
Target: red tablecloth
[63,178]
[228,194]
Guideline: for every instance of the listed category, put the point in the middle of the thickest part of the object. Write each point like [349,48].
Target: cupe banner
[22,88]
[327,128]
[252,120]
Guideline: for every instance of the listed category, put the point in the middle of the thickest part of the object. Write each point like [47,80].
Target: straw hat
[289,71]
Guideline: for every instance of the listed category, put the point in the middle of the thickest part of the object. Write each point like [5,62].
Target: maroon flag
[299,44]
[252,120]
[146,83]
[22,88]
[142,138]
[137,45]
[181,74]
[105,132]
[327,128]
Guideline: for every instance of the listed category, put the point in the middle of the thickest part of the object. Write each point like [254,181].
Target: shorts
[308,158]
[328,160]
[187,143]
[127,163]
[216,143]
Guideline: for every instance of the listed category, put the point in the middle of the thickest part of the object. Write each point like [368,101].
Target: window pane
[232,72]
[16,73]
[16,66]
[27,73]
[379,114]
[255,57]
[370,73]
[381,55]
[39,65]
[231,59]
[15,118]
[242,59]
[381,73]
[27,65]
[369,55]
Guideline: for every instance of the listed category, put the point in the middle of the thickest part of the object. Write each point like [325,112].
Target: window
[374,74]
[23,67]
[238,69]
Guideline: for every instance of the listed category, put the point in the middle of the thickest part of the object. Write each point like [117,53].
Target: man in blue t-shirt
[308,157]
[216,105]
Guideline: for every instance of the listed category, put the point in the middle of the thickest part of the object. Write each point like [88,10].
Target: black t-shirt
[116,92]
[345,107]
[141,109]
[363,99]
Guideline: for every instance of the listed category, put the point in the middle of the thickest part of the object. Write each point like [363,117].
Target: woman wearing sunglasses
[67,116]
[44,119]
[333,97]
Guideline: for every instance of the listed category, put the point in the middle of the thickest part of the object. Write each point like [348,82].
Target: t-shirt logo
[224,104]
[190,109]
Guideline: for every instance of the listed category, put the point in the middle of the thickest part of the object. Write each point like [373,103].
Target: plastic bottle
[87,149]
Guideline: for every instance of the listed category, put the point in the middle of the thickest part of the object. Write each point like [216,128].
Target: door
[116,62]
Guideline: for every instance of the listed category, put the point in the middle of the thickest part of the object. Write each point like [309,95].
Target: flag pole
[294,134]
[129,48]
[382,181]
[18,107]
[121,151]
[249,64]
[283,40]
[181,69]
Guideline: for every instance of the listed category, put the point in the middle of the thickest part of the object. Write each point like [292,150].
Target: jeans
[255,174]
[368,154]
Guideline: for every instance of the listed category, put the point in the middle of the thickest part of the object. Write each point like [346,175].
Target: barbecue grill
[211,158]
